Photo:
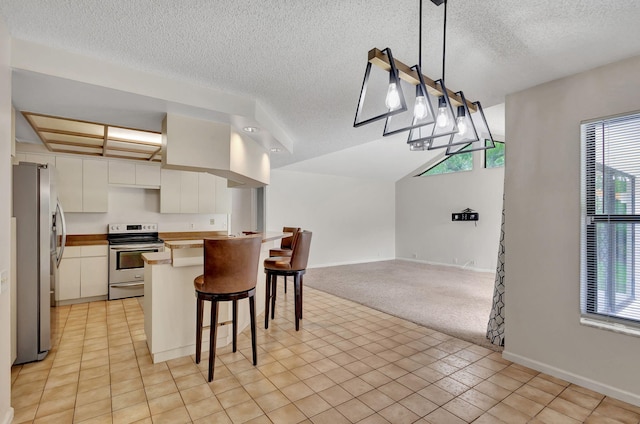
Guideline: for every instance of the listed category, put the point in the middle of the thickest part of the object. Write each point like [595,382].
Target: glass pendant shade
[419,110]
[444,123]
[381,95]
[483,139]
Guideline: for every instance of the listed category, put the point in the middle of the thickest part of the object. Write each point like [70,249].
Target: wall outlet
[212,221]
[414,255]
[192,226]
[4,281]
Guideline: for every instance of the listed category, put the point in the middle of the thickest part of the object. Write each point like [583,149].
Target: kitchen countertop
[198,243]
[174,246]
[86,239]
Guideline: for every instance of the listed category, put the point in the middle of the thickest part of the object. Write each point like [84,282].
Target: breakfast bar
[170,302]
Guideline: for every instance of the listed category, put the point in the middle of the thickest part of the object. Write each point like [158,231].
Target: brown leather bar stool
[230,272]
[286,247]
[295,265]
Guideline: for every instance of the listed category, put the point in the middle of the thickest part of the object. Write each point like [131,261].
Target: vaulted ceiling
[303,61]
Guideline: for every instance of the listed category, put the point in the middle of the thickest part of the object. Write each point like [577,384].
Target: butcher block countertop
[198,243]
[177,253]
[98,239]
[86,239]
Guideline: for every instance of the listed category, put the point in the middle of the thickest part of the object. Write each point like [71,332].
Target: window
[610,240]
[494,158]
[452,163]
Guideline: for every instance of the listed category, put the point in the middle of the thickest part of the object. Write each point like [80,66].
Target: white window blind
[610,242]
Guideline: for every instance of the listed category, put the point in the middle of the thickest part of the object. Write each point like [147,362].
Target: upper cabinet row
[83,184]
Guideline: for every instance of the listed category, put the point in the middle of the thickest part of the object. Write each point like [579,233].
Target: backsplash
[129,205]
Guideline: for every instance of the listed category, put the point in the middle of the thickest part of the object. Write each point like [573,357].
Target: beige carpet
[453,301]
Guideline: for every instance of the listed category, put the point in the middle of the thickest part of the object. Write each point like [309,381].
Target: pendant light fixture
[376,109]
[439,117]
[422,112]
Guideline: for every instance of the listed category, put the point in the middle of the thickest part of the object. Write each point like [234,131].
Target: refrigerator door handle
[64,233]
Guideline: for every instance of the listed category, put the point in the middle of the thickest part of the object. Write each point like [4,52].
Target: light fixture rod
[381,60]
[444,40]
[420,38]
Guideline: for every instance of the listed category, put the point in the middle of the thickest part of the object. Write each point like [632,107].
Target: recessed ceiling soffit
[64,135]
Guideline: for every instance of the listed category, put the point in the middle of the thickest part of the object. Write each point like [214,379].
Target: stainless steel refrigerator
[40,239]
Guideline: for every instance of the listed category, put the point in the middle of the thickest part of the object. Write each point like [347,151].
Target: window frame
[609,318]
[444,159]
[484,156]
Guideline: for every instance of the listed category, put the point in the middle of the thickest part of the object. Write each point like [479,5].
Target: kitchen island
[170,302]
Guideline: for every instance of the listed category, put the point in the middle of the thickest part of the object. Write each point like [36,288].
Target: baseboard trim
[469,268]
[362,261]
[597,386]
[8,416]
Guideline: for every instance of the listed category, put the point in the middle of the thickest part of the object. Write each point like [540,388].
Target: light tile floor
[347,364]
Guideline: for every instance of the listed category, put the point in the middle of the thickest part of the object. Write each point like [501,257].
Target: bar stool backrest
[300,254]
[287,242]
[231,265]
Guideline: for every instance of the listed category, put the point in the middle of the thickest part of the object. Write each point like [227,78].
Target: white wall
[127,205]
[242,205]
[424,230]
[352,219]
[542,231]
[6,412]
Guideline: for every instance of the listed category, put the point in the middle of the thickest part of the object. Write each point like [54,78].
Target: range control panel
[132,228]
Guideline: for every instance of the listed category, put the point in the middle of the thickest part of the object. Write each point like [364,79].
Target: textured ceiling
[304,60]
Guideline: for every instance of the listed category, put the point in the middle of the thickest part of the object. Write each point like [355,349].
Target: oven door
[126,263]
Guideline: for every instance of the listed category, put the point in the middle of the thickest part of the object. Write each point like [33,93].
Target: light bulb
[393,97]
[462,126]
[420,110]
[461,121]
[442,120]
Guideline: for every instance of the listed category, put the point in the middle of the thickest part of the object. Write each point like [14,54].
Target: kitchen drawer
[72,252]
[97,250]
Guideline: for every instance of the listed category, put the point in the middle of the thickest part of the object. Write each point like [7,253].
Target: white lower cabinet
[92,282]
[68,283]
[83,273]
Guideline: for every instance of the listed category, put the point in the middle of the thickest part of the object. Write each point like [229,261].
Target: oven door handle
[125,285]
[137,247]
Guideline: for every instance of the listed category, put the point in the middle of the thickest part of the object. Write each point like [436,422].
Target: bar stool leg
[252,312]
[298,303]
[212,337]
[199,312]
[301,287]
[285,283]
[274,289]
[235,324]
[267,300]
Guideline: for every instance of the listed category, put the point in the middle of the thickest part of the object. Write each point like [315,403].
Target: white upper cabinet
[134,174]
[206,193]
[170,191]
[70,183]
[82,184]
[147,175]
[193,192]
[121,172]
[95,186]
